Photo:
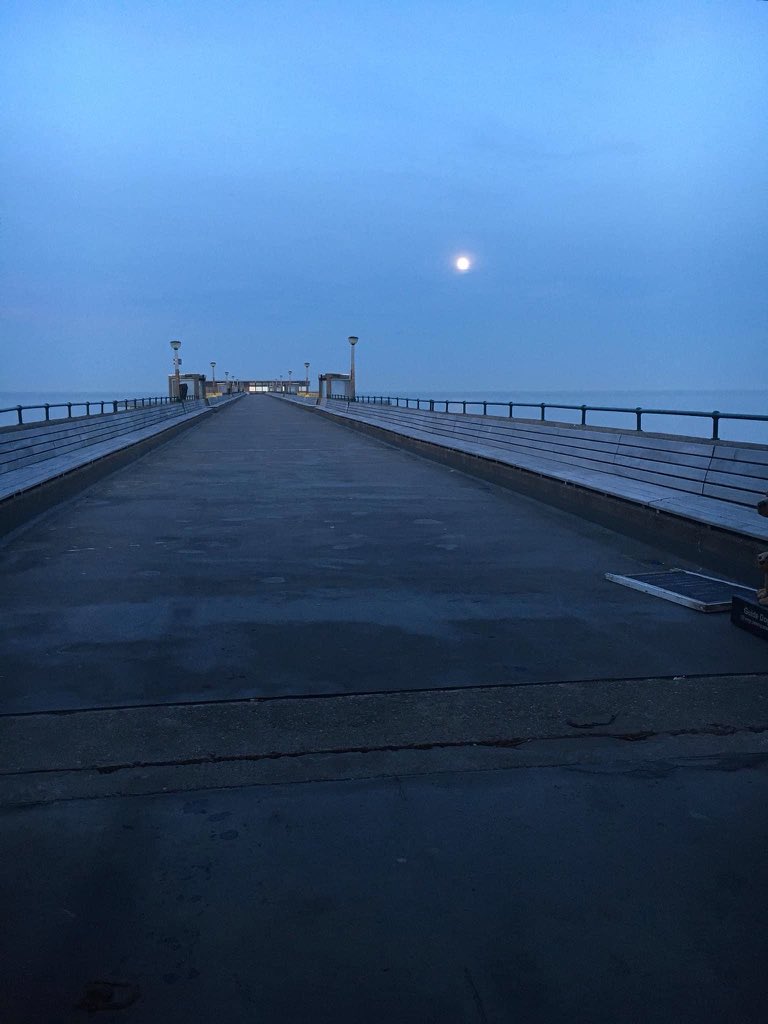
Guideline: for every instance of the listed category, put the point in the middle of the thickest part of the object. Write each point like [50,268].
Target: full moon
[462,263]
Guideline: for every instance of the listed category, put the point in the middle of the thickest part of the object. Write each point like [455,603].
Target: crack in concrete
[715,729]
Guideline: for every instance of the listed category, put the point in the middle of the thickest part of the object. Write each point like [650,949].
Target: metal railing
[474,408]
[118,405]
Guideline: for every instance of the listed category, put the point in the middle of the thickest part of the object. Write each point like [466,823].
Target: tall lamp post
[176,345]
[306,375]
[352,341]
[213,376]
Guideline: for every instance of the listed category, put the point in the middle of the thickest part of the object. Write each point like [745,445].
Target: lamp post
[352,341]
[176,345]
[213,376]
[306,375]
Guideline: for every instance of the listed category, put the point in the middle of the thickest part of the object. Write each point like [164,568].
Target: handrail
[123,404]
[432,403]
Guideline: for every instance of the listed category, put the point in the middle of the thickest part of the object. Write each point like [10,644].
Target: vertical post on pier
[352,342]
[176,345]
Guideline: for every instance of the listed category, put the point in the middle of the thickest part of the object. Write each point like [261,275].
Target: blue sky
[263,179]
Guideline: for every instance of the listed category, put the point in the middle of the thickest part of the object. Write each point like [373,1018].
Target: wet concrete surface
[270,552]
[208,814]
[554,895]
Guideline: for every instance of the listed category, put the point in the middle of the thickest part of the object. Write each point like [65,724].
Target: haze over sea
[752,402]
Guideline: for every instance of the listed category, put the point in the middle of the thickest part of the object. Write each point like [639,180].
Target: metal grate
[691,589]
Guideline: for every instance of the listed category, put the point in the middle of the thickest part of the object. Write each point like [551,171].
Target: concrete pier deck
[268,552]
[298,727]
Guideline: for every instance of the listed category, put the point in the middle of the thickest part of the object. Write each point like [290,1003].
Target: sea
[748,402]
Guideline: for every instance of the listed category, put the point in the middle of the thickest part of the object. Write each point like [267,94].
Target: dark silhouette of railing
[118,405]
[471,407]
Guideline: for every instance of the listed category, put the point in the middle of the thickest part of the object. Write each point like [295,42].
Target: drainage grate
[704,593]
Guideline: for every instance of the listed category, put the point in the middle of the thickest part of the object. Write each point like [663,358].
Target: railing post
[19,413]
[716,426]
[431,405]
[485,408]
[47,411]
[543,410]
[510,410]
[583,415]
[464,408]
[446,405]
[639,415]
[87,408]
[69,410]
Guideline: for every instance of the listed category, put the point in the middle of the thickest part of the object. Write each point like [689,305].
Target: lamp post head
[213,363]
[175,345]
[352,339]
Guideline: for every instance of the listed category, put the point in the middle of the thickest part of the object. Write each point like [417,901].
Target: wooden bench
[33,454]
[717,483]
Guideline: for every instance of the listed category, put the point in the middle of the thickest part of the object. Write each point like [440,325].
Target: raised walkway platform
[299,727]
[270,552]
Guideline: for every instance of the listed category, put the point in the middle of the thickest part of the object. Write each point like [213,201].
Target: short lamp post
[306,375]
[213,376]
[176,345]
[352,342]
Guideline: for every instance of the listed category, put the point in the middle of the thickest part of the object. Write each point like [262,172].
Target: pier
[300,725]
